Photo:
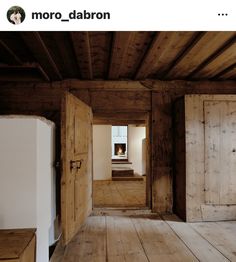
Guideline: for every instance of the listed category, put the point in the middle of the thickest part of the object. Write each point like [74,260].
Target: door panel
[220,152]
[76,181]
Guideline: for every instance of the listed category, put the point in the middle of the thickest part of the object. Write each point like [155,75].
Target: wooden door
[210,132]
[220,156]
[76,181]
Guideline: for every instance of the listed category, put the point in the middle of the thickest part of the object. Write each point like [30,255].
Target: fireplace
[120,149]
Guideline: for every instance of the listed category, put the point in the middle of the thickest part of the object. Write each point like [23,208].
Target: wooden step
[122,172]
[127,178]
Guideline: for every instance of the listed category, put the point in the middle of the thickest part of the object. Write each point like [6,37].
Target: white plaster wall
[135,148]
[102,152]
[45,207]
[26,177]
[18,173]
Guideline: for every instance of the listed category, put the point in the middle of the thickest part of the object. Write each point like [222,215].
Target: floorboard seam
[179,237]
[208,241]
[140,239]
[106,239]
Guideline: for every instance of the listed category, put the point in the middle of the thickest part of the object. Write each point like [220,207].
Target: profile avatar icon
[16,15]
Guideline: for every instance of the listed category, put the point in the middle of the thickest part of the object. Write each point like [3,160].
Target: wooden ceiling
[52,56]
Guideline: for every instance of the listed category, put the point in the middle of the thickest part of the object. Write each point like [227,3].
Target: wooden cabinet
[205,157]
[17,245]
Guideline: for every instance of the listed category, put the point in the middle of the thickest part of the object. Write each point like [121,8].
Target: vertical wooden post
[162,152]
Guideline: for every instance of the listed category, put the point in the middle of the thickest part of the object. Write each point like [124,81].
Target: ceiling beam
[228,73]
[221,58]
[209,43]
[66,54]
[183,53]
[163,50]
[81,44]
[12,69]
[13,58]
[120,45]
[151,57]
[41,53]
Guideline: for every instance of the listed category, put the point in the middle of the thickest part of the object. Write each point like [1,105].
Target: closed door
[220,160]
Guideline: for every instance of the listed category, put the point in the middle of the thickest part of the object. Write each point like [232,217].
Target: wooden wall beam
[157,97]
[118,122]
[161,146]
[119,118]
[177,88]
[120,45]
[104,85]
[38,48]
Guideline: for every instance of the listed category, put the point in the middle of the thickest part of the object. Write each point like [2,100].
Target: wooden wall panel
[121,101]
[118,96]
[164,93]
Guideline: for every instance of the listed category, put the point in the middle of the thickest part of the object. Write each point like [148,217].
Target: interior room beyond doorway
[119,166]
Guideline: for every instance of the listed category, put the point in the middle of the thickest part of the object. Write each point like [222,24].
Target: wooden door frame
[128,118]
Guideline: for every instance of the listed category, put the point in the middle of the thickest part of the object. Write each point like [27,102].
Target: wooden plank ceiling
[52,56]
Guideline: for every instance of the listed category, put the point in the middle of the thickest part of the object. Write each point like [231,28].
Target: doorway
[120,166]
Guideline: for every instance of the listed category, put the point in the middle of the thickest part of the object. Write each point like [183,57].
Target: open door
[76,153]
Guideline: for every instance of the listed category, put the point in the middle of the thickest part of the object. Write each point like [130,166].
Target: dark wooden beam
[25,72]
[118,122]
[100,44]
[82,51]
[62,52]
[228,73]
[164,49]
[114,118]
[136,51]
[120,44]
[109,85]
[41,53]
[12,57]
[43,73]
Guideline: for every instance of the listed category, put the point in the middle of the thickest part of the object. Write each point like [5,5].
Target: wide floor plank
[90,243]
[113,237]
[200,247]
[160,242]
[219,236]
[122,240]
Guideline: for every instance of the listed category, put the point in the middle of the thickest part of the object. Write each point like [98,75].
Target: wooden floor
[119,193]
[150,238]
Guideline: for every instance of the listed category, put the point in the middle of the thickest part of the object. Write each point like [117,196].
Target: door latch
[75,164]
